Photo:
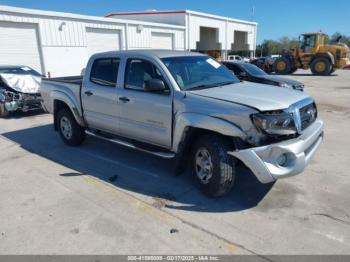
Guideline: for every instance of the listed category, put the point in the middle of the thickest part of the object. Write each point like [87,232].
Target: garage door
[102,40]
[19,45]
[162,41]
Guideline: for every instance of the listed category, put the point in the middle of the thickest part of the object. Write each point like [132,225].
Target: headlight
[275,123]
[284,85]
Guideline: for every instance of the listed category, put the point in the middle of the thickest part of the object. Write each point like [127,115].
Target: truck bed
[67,79]
[69,85]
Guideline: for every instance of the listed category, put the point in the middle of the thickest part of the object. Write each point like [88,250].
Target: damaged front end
[19,93]
[14,101]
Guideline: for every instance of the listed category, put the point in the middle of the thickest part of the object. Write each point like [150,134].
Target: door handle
[124,99]
[88,93]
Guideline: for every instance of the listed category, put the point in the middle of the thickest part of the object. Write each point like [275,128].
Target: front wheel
[321,66]
[282,66]
[70,131]
[213,170]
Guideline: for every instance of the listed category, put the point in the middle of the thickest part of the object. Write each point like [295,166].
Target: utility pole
[252,13]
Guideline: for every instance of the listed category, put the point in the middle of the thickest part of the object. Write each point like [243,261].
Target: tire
[321,66]
[3,111]
[211,151]
[282,66]
[70,131]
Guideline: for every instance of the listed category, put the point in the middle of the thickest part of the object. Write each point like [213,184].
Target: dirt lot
[104,199]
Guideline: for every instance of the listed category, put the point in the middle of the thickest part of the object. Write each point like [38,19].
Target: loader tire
[282,66]
[321,66]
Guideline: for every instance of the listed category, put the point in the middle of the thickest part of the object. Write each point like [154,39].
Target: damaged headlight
[275,123]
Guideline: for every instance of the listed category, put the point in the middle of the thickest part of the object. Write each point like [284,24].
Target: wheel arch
[327,55]
[61,100]
[190,126]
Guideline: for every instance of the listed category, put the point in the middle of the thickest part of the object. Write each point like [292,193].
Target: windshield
[253,70]
[198,72]
[24,70]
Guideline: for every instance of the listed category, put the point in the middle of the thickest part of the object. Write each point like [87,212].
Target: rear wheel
[70,131]
[321,66]
[3,111]
[282,66]
[213,170]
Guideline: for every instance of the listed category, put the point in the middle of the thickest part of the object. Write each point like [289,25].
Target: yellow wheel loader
[314,54]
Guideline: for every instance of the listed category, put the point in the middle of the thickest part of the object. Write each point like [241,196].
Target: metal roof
[27,11]
[155,12]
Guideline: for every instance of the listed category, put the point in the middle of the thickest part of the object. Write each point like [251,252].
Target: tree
[344,39]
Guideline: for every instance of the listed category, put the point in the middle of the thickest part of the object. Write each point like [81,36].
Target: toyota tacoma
[189,107]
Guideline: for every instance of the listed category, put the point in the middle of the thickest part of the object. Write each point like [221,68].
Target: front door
[99,95]
[145,116]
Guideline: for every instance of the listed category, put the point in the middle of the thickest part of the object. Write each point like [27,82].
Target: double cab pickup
[189,107]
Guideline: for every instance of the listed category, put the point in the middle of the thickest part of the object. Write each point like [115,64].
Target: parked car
[347,67]
[19,89]
[189,107]
[235,58]
[262,63]
[252,73]
[246,59]
[238,58]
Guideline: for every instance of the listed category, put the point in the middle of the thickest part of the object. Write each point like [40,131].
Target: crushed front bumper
[283,159]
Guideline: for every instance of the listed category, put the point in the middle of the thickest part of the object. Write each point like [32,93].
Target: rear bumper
[284,159]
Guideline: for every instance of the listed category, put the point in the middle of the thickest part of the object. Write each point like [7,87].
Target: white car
[238,58]
[235,58]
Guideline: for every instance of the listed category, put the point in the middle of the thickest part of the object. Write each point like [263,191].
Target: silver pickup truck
[189,107]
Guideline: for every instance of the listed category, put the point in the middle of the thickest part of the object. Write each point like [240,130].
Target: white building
[60,44]
[204,32]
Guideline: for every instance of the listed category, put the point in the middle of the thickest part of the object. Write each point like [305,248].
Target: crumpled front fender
[213,124]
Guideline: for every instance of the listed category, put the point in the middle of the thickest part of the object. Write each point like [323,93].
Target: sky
[275,18]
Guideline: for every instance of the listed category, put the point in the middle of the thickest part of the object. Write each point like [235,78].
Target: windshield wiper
[211,85]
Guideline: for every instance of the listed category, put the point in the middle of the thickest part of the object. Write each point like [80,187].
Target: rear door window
[104,71]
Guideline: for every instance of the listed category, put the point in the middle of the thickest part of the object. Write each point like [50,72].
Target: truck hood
[258,96]
[28,84]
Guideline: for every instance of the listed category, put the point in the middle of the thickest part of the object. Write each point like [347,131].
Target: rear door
[99,95]
[145,116]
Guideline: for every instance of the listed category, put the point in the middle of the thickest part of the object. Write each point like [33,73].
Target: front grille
[308,115]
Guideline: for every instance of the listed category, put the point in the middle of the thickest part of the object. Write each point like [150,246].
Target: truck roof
[152,53]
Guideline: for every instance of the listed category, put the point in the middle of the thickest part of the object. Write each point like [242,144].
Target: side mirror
[154,85]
